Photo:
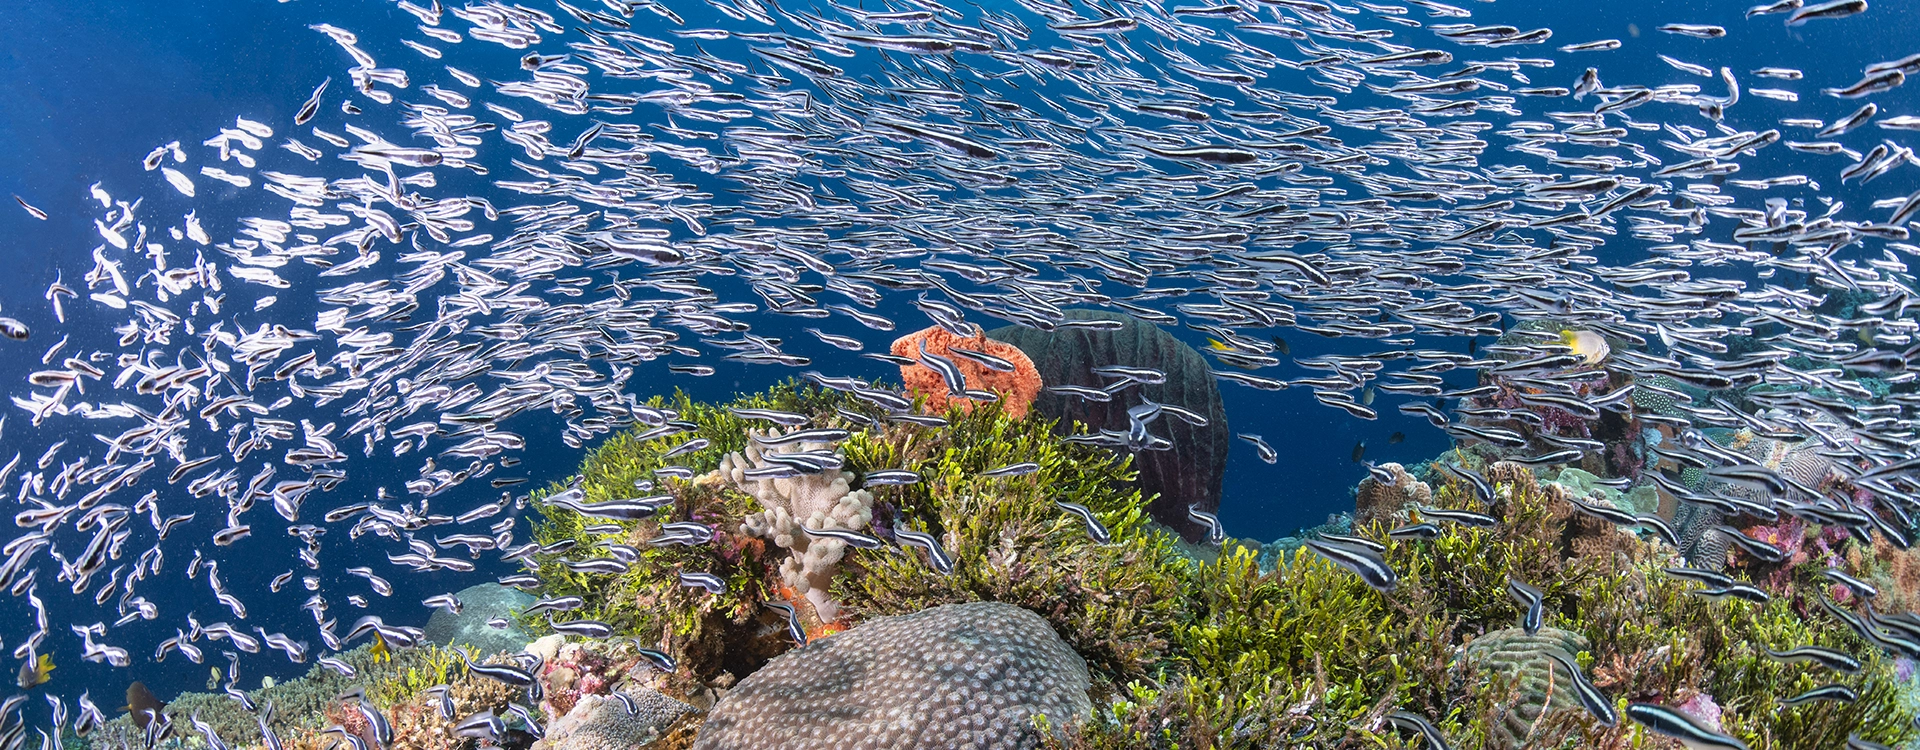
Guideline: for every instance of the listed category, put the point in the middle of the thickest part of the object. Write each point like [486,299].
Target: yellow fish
[36,671]
[1591,346]
[380,652]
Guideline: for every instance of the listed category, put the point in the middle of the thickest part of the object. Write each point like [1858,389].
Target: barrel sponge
[956,677]
[819,501]
[1017,389]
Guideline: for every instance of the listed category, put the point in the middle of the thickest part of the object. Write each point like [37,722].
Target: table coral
[818,501]
[1017,389]
[954,677]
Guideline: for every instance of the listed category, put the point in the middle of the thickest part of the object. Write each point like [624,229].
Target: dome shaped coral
[1017,389]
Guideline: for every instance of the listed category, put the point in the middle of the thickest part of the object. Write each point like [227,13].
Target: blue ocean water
[87,89]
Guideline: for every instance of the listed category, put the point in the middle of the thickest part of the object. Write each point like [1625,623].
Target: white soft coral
[819,501]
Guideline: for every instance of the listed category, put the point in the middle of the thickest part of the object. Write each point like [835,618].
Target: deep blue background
[87,89]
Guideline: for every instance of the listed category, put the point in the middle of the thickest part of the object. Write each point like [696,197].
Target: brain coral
[1017,389]
[955,677]
[1521,664]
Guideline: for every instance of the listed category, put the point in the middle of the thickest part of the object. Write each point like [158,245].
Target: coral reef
[581,669]
[303,705]
[1185,652]
[1017,389]
[817,501]
[1309,656]
[1515,669]
[1894,571]
[954,677]
[1007,539]
[1376,500]
[602,723]
[1800,462]
[1191,470]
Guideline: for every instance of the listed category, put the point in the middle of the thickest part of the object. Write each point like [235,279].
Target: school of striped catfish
[480,239]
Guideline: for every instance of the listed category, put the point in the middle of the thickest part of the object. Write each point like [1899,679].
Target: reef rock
[482,603]
[1513,661]
[818,501]
[1188,473]
[1375,500]
[955,677]
[601,722]
[1017,389]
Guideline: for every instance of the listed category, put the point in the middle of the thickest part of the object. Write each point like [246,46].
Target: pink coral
[1702,707]
[1017,389]
[583,669]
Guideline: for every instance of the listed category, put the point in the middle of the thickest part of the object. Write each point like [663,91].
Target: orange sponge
[1017,389]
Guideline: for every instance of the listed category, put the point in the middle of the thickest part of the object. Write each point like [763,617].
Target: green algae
[1216,653]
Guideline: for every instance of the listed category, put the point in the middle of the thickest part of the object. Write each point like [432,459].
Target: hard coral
[817,501]
[583,669]
[1519,668]
[1017,389]
[955,677]
[1375,500]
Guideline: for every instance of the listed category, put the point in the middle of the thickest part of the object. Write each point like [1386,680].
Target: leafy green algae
[1216,654]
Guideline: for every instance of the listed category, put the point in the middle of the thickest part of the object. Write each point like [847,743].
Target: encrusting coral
[1017,389]
[792,505]
[581,669]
